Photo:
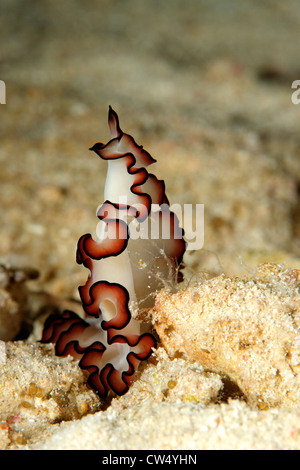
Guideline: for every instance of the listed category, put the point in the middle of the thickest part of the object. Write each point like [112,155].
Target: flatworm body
[128,261]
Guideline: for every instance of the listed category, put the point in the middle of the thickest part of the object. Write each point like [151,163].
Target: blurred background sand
[205,86]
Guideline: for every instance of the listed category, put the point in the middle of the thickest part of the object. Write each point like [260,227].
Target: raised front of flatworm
[128,261]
